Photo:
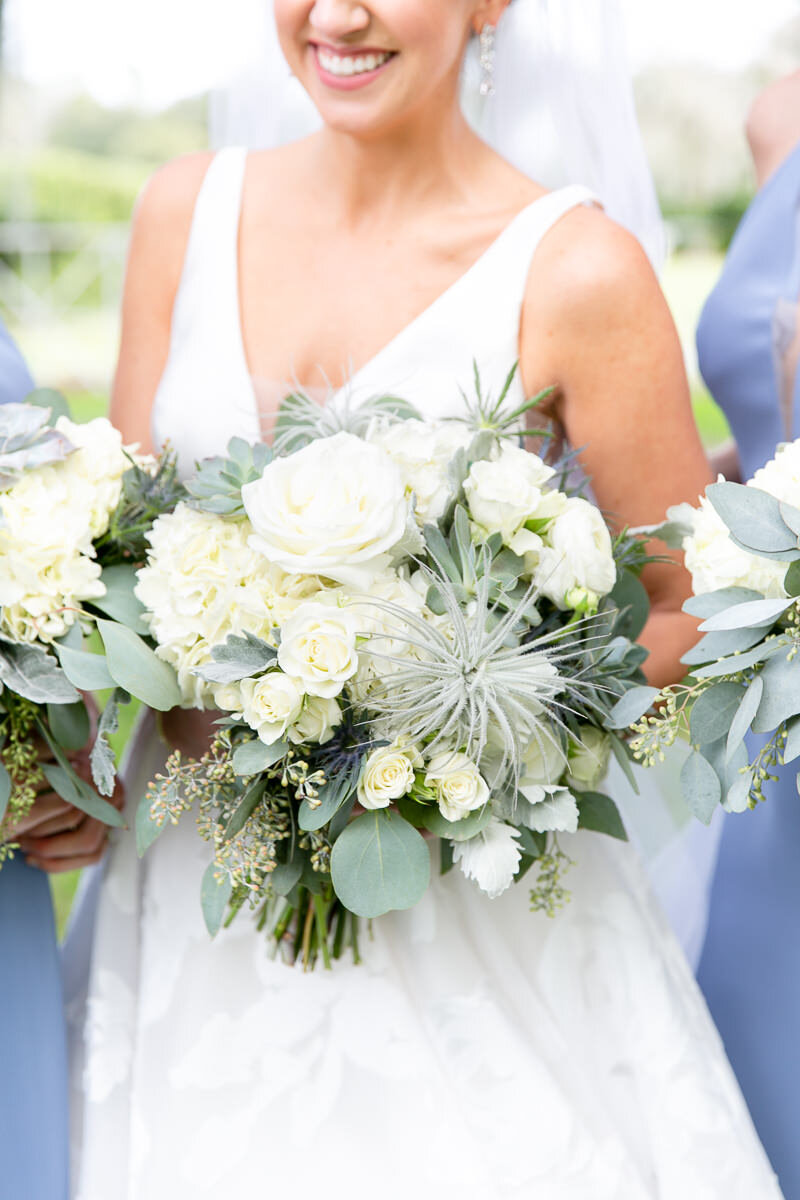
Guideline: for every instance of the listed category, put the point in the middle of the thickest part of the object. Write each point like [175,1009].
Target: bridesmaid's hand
[62,837]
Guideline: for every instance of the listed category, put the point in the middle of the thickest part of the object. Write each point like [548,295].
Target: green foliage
[66,185]
[216,486]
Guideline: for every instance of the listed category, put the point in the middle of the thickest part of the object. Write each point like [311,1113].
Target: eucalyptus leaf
[791,749]
[380,863]
[781,696]
[5,790]
[70,787]
[713,711]
[744,714]
[621,753]
[247,806]
[701,787]
[215,893]
[134,667]
[772,647]
[751,615]
[332,796]
[791,580]
[630,596]
[456,831]
[791,516]
[89,672]
[120,601]
[753,518]
[69,724]
[147,829]
[599,813]
[713,646]
[30,672]
[707,604]
[631,707]
[284,877]
[49,398]
[729,767]
[737,798]
[249,758]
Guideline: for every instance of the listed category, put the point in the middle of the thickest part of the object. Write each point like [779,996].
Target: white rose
[228,697]
[588,757]
[317,721]
[387,774]
[459,786]
[505,492]
[318,647]
[335,508]
[491,857]
[423,450]
[715,561]
[544,763]
[271,704]
[578,555]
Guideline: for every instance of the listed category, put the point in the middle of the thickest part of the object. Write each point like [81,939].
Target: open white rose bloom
[742,547]
[418,638]
[74,506]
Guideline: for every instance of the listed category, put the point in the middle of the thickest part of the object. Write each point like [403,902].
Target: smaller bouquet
[742,547]
[414,629]
[74,506]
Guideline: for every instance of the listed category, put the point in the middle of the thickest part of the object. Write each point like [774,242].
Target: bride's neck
[423,162]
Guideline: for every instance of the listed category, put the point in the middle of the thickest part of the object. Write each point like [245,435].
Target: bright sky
[155,51]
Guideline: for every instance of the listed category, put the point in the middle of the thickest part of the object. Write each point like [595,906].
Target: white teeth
[345,64]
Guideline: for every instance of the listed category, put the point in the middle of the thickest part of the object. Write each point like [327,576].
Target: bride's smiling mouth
[349,68]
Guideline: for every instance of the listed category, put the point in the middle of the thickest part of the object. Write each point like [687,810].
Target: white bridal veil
[562,112]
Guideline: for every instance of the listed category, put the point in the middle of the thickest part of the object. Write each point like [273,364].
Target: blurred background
[95,95]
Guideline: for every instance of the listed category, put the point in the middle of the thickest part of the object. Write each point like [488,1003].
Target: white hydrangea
[715,561]
[203,582]
[423,450]
[50,518]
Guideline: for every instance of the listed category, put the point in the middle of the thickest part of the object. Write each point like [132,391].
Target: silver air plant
[487,686]
[302,419]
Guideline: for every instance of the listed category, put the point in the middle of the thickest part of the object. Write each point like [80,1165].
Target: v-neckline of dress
[405,332]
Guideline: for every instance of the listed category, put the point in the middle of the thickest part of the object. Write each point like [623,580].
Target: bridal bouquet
[74,505]
[742,547]
[415,629]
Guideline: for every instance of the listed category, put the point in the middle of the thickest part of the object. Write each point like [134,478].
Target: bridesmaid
[749,347]
[33,1083]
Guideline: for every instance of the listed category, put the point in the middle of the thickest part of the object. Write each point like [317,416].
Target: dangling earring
[487,60]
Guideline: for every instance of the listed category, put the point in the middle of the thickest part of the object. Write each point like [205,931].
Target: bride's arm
[604,335]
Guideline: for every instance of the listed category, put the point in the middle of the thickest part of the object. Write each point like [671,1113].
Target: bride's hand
[188,730]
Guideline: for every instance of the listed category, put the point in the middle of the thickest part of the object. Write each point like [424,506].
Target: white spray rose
[271,704]
[491,858]
[458,784]
[317,721]
[336,508]
[588,758]
[423,450]
[544,763]
[318,647]
[578,555]
[504,492]
[387,774]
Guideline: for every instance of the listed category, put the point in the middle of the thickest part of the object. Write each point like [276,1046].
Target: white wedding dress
[481,1051]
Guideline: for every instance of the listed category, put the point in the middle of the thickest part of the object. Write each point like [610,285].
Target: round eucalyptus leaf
[713,711]
[380,863]
[701,787]
[215,892]
[134,667]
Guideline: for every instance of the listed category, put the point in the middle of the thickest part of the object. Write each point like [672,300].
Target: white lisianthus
[387,774]
[491,858]
[318,647]
[578,555]
[715,561]
[336,508]
[423,450]
[588,757]
[457,783]
[505,492]
[271,704]
[317,721]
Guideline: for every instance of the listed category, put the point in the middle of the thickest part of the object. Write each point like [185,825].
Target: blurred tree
[125,133]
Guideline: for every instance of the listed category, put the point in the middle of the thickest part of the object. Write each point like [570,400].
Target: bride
[481,1050]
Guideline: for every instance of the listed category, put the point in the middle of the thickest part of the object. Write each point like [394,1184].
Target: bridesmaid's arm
[159,237]
[602,331]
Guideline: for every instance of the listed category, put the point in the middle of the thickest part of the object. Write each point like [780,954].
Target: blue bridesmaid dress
[33,1068]
[750,968]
